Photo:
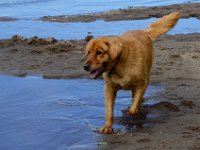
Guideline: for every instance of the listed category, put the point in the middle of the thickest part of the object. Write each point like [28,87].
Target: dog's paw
[133,111]
[106,130]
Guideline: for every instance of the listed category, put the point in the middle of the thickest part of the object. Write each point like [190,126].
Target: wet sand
[179,129]
[176,64]
[132,13]
[176,56]
[6,19]
[187,10]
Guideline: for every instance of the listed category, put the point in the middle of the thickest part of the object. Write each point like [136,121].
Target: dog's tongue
[94,74]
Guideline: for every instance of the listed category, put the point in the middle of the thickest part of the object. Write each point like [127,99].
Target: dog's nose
[86,67]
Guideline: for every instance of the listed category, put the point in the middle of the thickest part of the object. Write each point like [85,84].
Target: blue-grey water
[27,10]
[45,114]
[29,28]
[42,114]
[37,8]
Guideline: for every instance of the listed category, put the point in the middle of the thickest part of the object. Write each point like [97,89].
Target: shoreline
[7,19]
[176,64]
[57,59]
[131,13]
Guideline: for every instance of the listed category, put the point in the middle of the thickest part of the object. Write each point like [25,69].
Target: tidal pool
[37,113]
[67,31]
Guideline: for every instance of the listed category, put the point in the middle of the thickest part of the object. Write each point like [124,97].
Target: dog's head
[101,54]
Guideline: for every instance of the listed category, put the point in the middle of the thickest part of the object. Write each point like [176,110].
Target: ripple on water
[151,102]
[72,125]
[58,115]
[70,101]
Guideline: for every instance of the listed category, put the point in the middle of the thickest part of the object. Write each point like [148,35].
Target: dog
[125,62]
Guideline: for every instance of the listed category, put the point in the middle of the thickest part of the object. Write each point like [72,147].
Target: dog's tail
[163,25]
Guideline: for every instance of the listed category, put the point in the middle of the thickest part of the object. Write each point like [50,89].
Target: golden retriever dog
[125,62]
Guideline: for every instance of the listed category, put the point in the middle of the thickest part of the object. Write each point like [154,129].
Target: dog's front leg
[110,95]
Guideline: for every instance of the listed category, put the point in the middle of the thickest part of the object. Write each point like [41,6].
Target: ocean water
[28,9]
[30,28]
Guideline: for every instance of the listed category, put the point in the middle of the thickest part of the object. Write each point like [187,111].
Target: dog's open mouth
[96,73]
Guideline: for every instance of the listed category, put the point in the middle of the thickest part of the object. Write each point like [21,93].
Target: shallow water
[36,8]
[38,113]
[29,28]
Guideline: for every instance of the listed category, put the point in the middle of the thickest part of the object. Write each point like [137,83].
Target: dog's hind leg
[137,94]
[110,95]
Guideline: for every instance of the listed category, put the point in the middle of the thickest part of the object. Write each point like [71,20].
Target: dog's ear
[114,47]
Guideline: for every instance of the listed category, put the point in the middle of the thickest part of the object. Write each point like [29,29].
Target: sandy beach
[175,57]
[176,64]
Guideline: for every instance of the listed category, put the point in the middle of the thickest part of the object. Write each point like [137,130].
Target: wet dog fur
[125,62]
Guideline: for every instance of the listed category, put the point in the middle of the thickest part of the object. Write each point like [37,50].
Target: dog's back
[143,40]
[144,45]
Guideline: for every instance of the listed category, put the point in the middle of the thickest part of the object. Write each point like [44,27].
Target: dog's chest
[123,82]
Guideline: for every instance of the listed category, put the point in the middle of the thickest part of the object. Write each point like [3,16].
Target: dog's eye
[98,53]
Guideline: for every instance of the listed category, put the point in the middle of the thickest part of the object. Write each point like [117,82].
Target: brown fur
[129,61]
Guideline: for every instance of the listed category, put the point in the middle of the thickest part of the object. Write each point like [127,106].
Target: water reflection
[55,114]
[29,28]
